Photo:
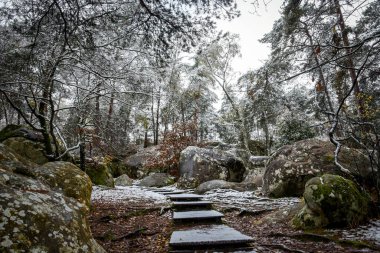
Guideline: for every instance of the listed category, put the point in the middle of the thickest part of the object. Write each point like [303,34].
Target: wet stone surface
[211,236]
[197,215]
[174,192]
[174,197]
[191,203]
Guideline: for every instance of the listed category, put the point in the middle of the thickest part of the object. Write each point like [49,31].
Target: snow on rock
[247,200]
[126,193]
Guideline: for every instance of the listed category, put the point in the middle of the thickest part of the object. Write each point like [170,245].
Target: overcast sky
[251,27]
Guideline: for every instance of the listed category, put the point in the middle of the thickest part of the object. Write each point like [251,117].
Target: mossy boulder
[292,166]
[67,178]
[31,150]
[99,173]
[37,218]
[116,166]
[332,201]
[157,180]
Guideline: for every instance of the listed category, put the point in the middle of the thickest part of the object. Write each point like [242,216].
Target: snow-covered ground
[127,193]
[230,199]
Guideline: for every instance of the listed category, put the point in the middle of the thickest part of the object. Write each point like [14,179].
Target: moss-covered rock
[31,150]
[68,179]
[332,201]
[100,174]
[36,218]
[292,166]
[116,166]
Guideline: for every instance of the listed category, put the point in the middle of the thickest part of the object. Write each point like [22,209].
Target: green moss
[335,198]
[328,158]
[100,174]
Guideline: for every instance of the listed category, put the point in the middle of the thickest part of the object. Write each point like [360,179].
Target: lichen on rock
[332,201]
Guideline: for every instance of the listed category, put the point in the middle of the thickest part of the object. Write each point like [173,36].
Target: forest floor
[129,219]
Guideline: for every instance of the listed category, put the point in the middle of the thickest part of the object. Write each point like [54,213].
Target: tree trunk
[349,60]
[157,116]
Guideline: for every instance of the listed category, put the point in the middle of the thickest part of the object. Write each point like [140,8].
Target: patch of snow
[247,200]
[368,232]
[126,193]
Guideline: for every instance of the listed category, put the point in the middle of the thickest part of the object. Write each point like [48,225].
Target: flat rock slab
[191,203]
[216,235]
[197,215]
[173,192]
[184,197]
[162,190]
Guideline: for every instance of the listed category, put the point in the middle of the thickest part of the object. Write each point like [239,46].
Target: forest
[96,78]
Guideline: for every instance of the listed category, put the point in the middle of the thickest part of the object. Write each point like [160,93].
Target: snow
[247,200]
[126,193]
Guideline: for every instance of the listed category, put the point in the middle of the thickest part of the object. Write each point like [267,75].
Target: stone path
[207,234]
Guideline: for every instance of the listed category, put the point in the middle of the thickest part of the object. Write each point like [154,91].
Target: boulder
[198,165]
[221,184]
[293,165]
[157,180]
[135,163]
[332,201]
[255,177]
[116,166]
[100,174]
[212,185]
[31,150]
[123,180]
[37,218]
[66,178]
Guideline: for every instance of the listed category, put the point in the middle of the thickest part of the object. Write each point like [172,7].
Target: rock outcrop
[332,201]
[43,211]
[157,180]
[293,165]
[123,180]
[135,163]
[100,174]
[198,165]
[221,184]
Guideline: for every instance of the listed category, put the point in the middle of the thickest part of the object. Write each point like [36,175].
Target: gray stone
[292,166]
[197,215]
[198,165]
[157,180]
[123,180]
[182,197]
[212,185]
[173,192]
[216,235]
[185,204]
[44,211]
[136,162]
[259,161]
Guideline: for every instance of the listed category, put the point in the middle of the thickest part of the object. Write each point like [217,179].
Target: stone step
[208,237]
[191,204]
[184,197]
[217,250]
[197,215]
[162,191]
[173,192]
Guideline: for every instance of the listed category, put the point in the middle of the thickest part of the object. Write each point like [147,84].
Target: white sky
[251,27]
